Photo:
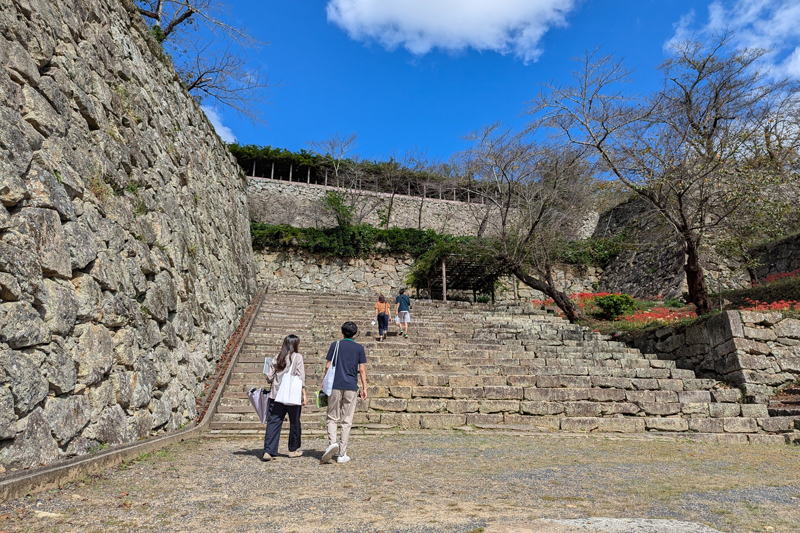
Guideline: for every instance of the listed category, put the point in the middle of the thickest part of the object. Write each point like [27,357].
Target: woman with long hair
[383,315]
[289,362]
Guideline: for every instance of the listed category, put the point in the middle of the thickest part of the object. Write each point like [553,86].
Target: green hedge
[350,242]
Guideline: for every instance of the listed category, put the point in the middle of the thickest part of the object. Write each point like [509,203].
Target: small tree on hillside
[696,149]
[538,193]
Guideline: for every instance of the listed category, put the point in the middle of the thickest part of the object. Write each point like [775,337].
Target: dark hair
[290,345]
[382,299]
[402,291]
[349,329]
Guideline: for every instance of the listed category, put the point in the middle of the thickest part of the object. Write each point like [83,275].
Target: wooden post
[308,178]
[444,282]
[468,201]
[326,177]
[454,195]
[290,171]
[409,188]
[440,192]
[474,296]
[254,168]
[516,295]
[272,174]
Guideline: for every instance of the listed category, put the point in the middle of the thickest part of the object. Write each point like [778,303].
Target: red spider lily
[780,305]
[782,275]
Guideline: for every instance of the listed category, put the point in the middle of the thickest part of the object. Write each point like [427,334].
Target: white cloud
[770,24]
[224,132]
[504,26]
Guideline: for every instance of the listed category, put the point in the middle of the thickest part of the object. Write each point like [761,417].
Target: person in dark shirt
[349,359]
[403,311]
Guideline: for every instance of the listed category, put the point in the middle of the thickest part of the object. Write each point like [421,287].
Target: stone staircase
[508,367]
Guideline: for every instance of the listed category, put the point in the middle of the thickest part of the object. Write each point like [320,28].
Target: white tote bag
[291,390]
[327,381]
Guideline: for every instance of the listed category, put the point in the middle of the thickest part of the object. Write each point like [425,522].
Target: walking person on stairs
[282,372]
[347,359]
[383,314]
[403,311]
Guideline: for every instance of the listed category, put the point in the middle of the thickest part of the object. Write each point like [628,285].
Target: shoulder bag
[291,390]
[327,381]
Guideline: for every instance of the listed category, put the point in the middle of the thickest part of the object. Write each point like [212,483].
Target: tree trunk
[695,277]
[571,311]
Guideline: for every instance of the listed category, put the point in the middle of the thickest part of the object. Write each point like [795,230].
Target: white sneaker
[330,452]
[342,459]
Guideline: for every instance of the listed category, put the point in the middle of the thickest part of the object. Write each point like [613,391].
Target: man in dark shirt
[403,311]
[349,362]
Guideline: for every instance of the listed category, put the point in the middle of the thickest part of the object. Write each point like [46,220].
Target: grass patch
[785,289]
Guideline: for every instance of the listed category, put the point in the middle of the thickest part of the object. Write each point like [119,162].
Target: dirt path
[431,481]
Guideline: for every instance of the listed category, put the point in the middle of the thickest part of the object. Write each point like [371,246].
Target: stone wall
[782,256]
[757,352]
[299,270]
[298,204]
[125,257]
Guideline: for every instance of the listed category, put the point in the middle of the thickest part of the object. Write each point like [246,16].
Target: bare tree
[695,149]
[212,64]
[538,192]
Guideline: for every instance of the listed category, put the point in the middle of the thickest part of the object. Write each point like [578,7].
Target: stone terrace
[508,367]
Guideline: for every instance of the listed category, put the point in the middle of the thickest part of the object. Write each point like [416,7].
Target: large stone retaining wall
[125,257]
[299,204]
[298,270]
[757,352]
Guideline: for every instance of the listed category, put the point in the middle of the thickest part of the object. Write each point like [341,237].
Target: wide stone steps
[473,366]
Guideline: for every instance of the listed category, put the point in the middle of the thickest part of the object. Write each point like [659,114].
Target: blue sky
[406,74]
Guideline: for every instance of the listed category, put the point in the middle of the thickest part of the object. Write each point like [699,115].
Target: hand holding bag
[291,390]
[327,381]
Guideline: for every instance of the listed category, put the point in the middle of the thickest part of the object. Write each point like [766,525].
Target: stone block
[670,384]
[694,396]
[788,328]
[466,381]
[726,395]
[697,335]
[434,380]
[33,445]
[580,424]
[611,382]
[739,425]
[522,381]
[432,392]
[621,425]
[499,406]
[651,396]
[767,440]
[607,395]
[671,343]
[695,409]
[559,381]
[706,425]
[441,421]
[556,395]
[660,409]
[778,424]
[503,393]
[723,410]
[732,439]
[789,363]
[400,392]
[582,409]
[426,405]
[754,410]
[620,408]
[550,423]
[388,404]
[402,420]
[462,406]
[645,384]
[760,334]
[467,392]
[541,408]
[43,226]
[67,416]
[59,306]
[478,419]
[20,371]
[21,325]
[666,424]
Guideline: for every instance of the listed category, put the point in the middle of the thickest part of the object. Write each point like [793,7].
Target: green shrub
[593,251]
[675,302]
[614,306]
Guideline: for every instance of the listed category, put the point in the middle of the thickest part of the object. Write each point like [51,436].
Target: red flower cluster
[549,301]
[782,275]
[658,314]
[780,305]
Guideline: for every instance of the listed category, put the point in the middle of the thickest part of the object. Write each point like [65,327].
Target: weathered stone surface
[754,410]
[739,425]
[33,445]
[43,226]
[67,416]
[88,296]
[21,325]
[60,369]
[7,416]
[94,354]
[388,404]
[58,305]
[726,395]
[724,410]
[789,328]
[28,386]
[110,428]
[18,257]
[82,244]
[666,424]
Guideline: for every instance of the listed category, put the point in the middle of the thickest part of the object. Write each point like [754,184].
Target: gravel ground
[467,482]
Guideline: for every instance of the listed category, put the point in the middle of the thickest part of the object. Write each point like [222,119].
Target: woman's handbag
[327,381]
[291,390]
